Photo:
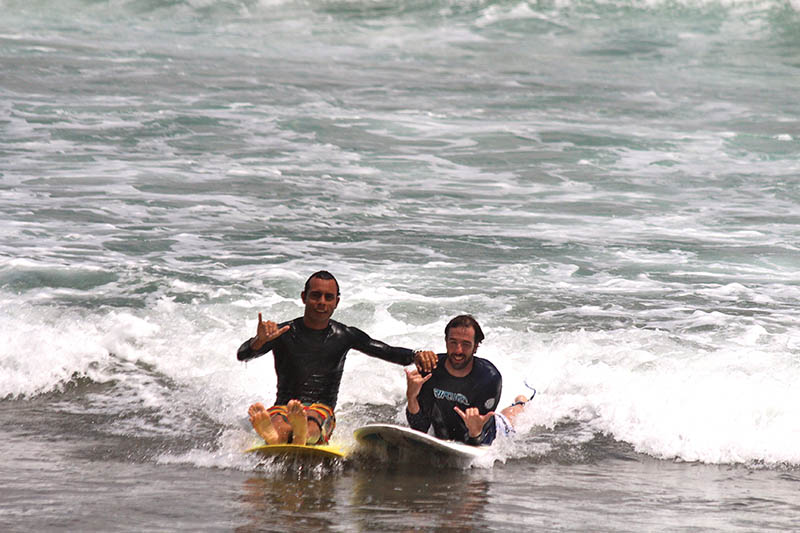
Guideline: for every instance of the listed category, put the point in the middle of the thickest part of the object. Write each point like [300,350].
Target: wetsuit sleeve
[419,421]
[488,433]
[246,353]
[423,420]
[363,343]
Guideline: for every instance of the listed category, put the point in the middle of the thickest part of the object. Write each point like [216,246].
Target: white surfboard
[399,443]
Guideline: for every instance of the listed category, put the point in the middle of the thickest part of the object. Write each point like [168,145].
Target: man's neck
[311,323]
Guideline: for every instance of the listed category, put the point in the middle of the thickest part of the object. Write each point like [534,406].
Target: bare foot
[260,419]
[297,419]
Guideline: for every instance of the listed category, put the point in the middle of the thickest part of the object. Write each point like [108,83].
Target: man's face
[320,299]
[460,347]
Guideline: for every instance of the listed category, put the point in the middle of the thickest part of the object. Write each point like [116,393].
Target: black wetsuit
[481,388]
[309,362]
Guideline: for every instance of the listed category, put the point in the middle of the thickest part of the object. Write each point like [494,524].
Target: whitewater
[611,188]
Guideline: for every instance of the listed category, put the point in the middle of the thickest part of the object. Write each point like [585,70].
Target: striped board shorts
[319,413]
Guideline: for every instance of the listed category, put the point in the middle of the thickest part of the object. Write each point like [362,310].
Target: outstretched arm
[424,360]
[266,332]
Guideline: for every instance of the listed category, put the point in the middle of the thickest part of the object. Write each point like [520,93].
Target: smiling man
[309,355]
[459,397]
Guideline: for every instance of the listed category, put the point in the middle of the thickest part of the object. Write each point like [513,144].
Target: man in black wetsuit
[459,397]
[309,356]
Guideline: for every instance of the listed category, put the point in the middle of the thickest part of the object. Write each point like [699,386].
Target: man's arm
[424,360]
[484,398]
[477,424]
[415,416]
[246,351]
[493,389]
[266,333]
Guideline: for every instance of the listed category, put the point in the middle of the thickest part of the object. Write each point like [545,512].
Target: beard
[461,362]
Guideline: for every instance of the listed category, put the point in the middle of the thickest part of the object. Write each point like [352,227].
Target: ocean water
[612,187]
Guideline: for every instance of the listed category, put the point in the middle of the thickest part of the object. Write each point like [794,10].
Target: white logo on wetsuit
[457,397]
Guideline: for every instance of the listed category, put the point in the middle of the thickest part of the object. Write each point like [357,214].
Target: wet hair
[322,274]
[465,321]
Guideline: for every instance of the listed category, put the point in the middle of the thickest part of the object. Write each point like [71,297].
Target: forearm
[418,420]
[413,405]
[247,352]
[480,438]
[392,354]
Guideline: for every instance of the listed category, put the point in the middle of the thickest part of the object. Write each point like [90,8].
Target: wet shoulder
[295,326]
[343,331]
[338,327]
[486,368]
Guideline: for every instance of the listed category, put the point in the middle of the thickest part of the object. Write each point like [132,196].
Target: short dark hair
[465,321]
[322,274]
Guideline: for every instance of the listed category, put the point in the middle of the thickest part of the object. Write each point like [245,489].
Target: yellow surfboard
[321,451]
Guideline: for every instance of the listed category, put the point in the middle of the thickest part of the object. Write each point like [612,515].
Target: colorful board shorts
[319,413]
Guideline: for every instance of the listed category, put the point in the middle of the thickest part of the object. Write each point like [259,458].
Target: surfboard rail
[415,442]
[321,451]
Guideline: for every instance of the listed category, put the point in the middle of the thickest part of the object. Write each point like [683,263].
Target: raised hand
[265,332]
[414,382]
[473,419]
